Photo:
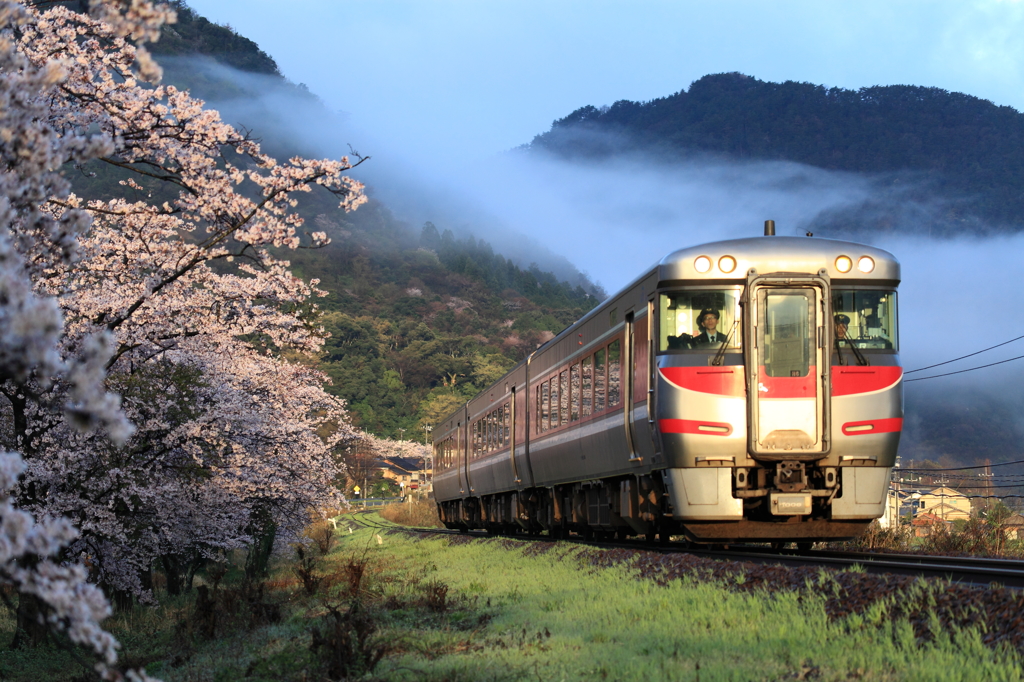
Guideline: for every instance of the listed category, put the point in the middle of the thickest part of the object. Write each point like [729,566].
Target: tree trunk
[32,630]
[172,569]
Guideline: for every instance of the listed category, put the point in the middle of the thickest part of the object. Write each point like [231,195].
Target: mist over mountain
[917,144]
[423,314]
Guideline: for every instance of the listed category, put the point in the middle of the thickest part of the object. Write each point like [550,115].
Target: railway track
[976,570]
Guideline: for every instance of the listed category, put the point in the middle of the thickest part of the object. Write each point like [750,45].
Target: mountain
[419,319]
[925,142]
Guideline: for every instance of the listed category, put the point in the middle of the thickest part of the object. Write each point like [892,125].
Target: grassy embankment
[390,606]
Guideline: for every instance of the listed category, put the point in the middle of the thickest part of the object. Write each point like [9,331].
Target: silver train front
[629,423]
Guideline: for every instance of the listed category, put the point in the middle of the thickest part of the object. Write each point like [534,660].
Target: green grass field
[391,606]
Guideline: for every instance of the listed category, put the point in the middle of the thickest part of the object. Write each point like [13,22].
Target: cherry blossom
[153,371]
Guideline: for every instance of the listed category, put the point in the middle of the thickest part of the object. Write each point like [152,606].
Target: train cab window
[600,380]
[587,395]
[614,377]
[699,319]
[864,318]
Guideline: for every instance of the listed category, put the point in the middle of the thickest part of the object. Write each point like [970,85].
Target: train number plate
[790,504]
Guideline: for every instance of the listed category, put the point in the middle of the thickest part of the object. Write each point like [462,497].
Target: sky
[437,92]
[469,78]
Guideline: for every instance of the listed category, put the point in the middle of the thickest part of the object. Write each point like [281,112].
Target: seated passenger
[709,336]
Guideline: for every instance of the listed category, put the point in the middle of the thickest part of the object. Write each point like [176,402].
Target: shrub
[420,512]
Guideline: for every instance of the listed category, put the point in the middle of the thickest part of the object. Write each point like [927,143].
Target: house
[925,523]
[1014,527]
[947,512]
[411,473]
[954,505]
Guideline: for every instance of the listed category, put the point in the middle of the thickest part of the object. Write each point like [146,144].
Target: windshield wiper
[861,360]
[720,355]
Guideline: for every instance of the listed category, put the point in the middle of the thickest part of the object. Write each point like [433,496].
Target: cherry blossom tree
[166,295]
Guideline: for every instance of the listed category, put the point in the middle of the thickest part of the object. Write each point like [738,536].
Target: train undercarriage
[781,502]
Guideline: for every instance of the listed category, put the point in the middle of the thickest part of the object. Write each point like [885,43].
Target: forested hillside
[964,149]
[418,319]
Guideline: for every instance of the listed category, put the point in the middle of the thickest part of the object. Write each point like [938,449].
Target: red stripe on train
[694,426]
[717,380]
[851,380]
[730,381]
[891,425]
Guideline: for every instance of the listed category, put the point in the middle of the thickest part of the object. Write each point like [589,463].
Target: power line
[962,357]
[936,376]
[980,466]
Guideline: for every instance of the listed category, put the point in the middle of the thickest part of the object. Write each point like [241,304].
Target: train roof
[778,254]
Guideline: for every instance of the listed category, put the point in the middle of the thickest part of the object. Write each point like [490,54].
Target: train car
[747,389]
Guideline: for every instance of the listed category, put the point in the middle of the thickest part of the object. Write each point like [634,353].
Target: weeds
[306,566]
[436,596]
[974,536]
[352,573]
[420,512]
[322,535]
[347,643]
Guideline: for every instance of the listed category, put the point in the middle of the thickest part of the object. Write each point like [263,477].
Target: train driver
[842,326]
[709,335]
[842,323]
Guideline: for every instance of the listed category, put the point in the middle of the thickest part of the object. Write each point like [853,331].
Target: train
[746,390]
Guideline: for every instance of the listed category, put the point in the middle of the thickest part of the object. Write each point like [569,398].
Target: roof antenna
[769,228]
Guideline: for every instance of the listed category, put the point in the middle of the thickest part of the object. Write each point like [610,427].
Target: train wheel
[779,545]
[621,533]
[804,546]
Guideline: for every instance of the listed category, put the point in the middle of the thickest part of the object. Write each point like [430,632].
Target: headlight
[726,263]
[844,264]
[865,264]
[702,264]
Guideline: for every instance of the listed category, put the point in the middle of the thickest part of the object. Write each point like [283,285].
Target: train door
[465,449]
[637,393]
[788,367]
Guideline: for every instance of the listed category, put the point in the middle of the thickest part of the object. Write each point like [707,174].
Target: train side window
[574,388]
[537,411]
[564,395]
[614,377]
[508,424]
[554,401]
[600,380]
[544,406]
[587,386]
